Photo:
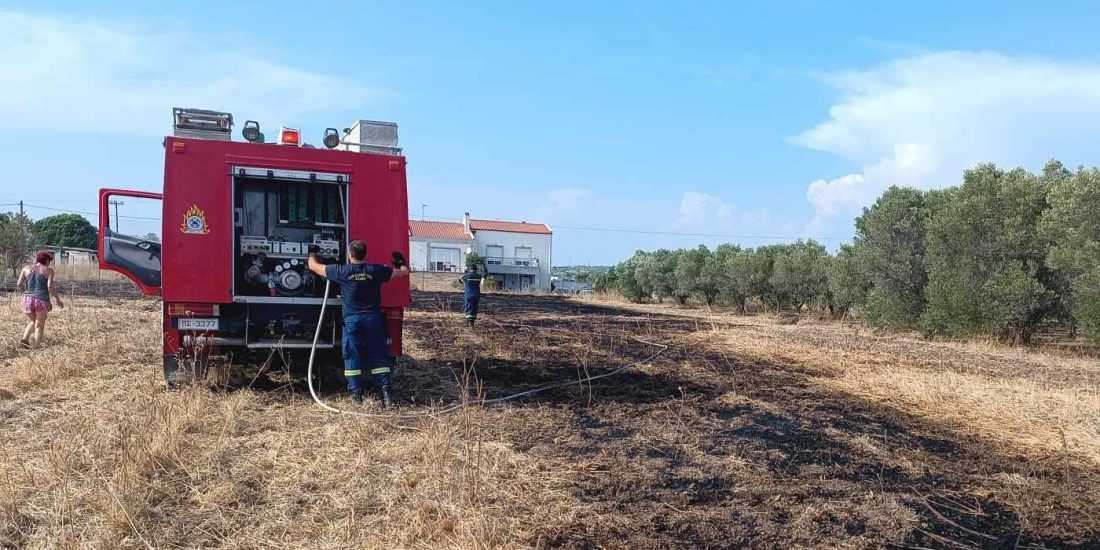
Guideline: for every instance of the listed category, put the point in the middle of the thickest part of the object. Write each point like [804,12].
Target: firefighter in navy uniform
[364,328]
[471,296]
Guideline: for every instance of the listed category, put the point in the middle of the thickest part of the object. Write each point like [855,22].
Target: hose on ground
[661,348]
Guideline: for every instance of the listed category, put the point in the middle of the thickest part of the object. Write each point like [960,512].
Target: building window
[494,254]
[444,259]
[523,256]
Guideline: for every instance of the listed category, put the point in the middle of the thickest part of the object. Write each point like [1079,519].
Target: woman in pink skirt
[36,282]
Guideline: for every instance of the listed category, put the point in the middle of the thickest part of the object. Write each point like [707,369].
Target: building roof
[438,230]
[509,227]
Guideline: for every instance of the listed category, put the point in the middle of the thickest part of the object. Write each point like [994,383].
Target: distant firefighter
[471,281]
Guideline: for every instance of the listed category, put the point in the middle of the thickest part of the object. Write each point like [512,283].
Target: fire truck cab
[237,219]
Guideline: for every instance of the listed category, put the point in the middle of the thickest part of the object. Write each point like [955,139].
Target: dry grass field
[726,431]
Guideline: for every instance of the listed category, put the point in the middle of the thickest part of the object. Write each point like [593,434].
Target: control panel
[255,245]
[276,248]
[276,265]
[278,218]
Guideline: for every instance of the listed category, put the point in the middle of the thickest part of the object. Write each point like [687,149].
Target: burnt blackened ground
[697,448]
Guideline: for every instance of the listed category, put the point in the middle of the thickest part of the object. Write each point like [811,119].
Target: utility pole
[116,204]
[21,208]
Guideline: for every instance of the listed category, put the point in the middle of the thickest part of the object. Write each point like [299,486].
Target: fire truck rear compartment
[277,215]
[276,219]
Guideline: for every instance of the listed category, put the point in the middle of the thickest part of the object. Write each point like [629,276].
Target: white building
[517,254]
[438,246]
[74,256]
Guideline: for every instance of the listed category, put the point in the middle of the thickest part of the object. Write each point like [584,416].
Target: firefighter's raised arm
[401,267]
[315,266]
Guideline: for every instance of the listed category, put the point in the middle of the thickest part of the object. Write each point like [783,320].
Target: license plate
[197,324]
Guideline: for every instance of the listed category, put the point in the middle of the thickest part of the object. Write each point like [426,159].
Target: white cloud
[81,75]
[921,121]
[701,212]
[565,204]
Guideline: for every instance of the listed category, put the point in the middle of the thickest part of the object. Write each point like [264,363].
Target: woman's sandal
[24,344]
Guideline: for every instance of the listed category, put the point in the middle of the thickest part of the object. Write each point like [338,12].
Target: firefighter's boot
[387,396]
[357,396]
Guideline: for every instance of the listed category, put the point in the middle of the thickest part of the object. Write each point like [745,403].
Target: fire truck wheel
[180,372]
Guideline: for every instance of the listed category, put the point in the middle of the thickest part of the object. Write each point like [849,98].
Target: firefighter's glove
[398,260]
[313,249]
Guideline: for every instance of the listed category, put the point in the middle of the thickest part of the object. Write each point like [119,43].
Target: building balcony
[511,261]
[444,267]
[509,264]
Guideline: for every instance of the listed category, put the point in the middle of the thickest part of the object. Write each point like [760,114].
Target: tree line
[1003,254]
[20,236]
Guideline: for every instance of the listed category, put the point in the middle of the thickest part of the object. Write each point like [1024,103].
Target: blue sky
[756,119]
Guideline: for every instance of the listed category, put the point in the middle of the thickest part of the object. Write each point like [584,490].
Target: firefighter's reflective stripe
[355,372]
[380,370]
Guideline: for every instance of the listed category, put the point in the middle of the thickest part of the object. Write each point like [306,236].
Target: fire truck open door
[135,257]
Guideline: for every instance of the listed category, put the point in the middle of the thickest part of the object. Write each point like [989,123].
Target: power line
[28,205]
[569,227]
[58,200]
[686,234]
[674,233]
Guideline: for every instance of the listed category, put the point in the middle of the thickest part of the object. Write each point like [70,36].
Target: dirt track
[703,448]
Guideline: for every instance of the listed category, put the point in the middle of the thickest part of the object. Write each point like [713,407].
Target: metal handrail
[512,261]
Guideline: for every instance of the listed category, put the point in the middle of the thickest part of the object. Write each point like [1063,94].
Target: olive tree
[606,281]
[689,272]
[16,240]
[891,235]
[1071,225]
[713,275]
[849,280]
[627,277]
[800,274]
[987,270]
[684,277]
[656,274]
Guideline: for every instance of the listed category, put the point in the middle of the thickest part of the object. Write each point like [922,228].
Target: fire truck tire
[176,376]
[172,375]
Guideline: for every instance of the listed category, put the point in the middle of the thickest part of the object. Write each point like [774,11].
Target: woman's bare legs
[29,331]
[40,328]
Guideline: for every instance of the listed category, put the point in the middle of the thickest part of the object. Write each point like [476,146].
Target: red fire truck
[237,218]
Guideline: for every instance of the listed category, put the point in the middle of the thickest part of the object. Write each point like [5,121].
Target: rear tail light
[193,310]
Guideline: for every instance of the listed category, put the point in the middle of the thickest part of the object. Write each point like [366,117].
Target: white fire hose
[313,354]
[661,348]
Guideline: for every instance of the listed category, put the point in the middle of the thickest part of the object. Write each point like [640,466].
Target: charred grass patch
[722,443]
[94,453]
[743,433]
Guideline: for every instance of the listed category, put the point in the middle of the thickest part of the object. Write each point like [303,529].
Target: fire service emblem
[194,222]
